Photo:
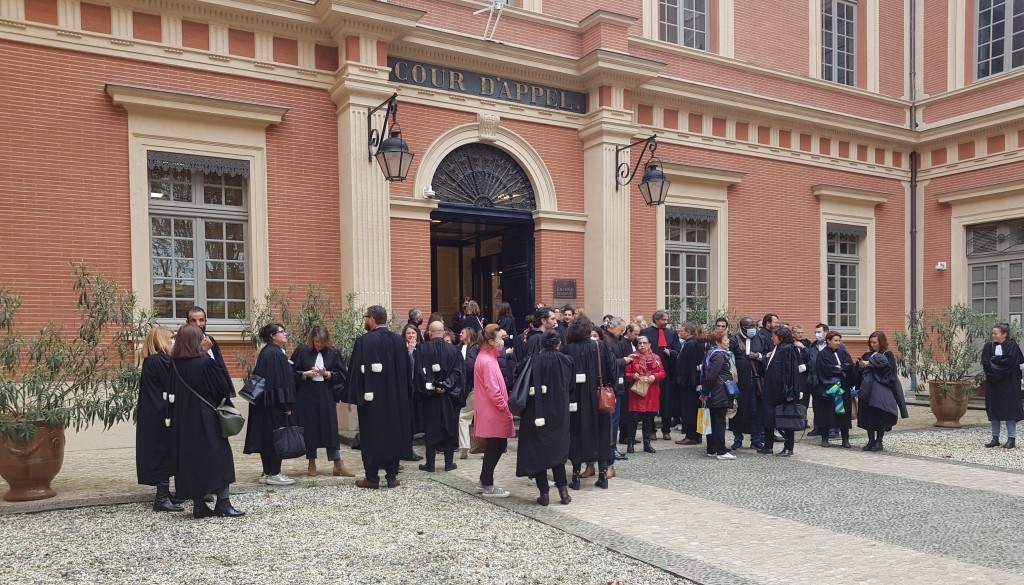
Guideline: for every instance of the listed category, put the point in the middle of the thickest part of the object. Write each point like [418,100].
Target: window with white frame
[999,36]
[843,276]
[684,22]
[995,269]
[198,221]
[688,258]
[839,41]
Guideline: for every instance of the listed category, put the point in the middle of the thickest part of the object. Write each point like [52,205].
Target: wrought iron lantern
[392,153]
[653,186]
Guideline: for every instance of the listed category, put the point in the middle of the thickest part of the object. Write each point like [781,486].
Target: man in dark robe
[564,318]
[620,350]
[691,357]
[416,320]
[378,385]
[438,379]
[810,382]
[546,321]
[197,316]
[628,342]
[748,348]
[768,324]
[664,342]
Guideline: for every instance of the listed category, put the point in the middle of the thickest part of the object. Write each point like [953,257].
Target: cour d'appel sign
[485,86]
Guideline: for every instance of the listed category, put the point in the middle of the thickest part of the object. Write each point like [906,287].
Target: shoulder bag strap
[600,377]
[205,401]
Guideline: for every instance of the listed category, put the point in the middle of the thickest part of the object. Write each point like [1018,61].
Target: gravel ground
[422,532]
[966,444]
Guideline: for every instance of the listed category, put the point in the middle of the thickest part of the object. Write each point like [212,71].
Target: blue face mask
[751,332]
[819,336]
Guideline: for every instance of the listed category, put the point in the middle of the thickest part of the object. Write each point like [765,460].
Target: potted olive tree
[942,347]
[64,377]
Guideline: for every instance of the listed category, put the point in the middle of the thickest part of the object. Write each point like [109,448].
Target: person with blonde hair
[154,464]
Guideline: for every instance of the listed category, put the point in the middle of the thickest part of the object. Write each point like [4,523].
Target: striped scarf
[836,392]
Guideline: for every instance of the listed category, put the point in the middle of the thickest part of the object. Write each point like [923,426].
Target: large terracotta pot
[949,406]
[29,467]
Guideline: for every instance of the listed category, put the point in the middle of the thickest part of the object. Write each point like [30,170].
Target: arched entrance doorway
[481,233]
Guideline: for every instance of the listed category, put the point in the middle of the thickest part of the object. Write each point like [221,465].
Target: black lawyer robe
[219,358]
[439,366]
[267,414]
[749,373]
[544,447]
[153,437]
[589,430]
[830,370]
[780,381]
[203,462]
[668,400]
[880,393]
[385,418]
[314,400]
[1002,381]
[691,358]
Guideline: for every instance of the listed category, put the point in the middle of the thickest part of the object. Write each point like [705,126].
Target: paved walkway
[824,516]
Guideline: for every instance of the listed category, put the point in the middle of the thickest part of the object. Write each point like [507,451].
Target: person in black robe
[416,321]
[628,342]
[811,388]
[274,408]
[688,365]
[880,392]
[379,386]
[203,462]
[507,322]
[780,386]
[589,430]
[1001,359]
[620,351]
[319,366]
[748,350]
[412,337]
[833,366]
[439,380]
[153,436]
[544,422]
[197,316]
[664,344]
[546,321]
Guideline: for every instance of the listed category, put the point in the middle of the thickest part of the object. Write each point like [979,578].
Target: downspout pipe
[914,268]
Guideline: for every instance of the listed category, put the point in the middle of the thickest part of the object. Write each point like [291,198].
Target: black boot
[162,502]
[563,495]
[543,499]
[878,441]
[871,441]
[602,480]
[575,483]
[994,442]
[429,465]
[1010,443]
[200,509]
[647,446]
[225,509]
[629,446]
[449,460]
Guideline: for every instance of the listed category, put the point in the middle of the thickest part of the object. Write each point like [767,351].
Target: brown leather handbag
[605,394]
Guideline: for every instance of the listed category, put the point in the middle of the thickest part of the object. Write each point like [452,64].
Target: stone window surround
[203,126]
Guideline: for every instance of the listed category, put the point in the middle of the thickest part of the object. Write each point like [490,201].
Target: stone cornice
[699,174]
[563,221]
[981,193]
[606,17]
[978,124]
[604,67]
[135,98]
[380,20]
[841,194]
[412,207]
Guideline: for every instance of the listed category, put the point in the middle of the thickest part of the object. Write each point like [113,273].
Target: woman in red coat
[646,367]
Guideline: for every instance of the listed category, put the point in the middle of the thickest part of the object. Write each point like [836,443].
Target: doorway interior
[485,254]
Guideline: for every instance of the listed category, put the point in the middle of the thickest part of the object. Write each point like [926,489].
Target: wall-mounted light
[429,193]
[392,153]
[653,186]
[940,266]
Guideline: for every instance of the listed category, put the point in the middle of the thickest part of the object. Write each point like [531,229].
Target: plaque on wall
[565,289]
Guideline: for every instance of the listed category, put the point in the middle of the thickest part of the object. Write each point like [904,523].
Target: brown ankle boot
[311,470]
[588,472]
[341,470]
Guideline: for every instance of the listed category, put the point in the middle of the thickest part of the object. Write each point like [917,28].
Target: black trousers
[689,400]
[373,471]
[769,438]
[636,418]
[716,440]
[557,474]
[492,453]
[668,405]
[271,463]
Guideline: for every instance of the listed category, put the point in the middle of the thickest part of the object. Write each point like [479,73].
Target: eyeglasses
[280,331]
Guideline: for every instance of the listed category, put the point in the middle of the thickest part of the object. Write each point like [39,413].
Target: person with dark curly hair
[273,409]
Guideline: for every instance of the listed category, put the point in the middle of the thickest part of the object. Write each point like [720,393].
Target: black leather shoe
[1010,443]
[425,467]
[877,446]
[869,447]
[814,433]
[200,509]
[785,453]
[629,447]
[764,451]
[450,466]
[563,495]
[224,509]
[575,483]
[993,443]
[619,457]
[543,499]
[602,480]
[166,505]
[648,448]
[412,457]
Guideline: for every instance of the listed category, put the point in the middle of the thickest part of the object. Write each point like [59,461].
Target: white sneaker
[679,428]
[493,491]
[279,479]
[263,478]
[726,457]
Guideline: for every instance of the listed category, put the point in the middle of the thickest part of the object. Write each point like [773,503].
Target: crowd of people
[454,389]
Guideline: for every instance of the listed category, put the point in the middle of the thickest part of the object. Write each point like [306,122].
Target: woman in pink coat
[492,417]
[647,365]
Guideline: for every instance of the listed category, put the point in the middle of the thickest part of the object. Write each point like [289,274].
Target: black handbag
[520,390]
[791,416]
[253,389]
[339,391]
[231,421]
[289,441]
[732,389]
